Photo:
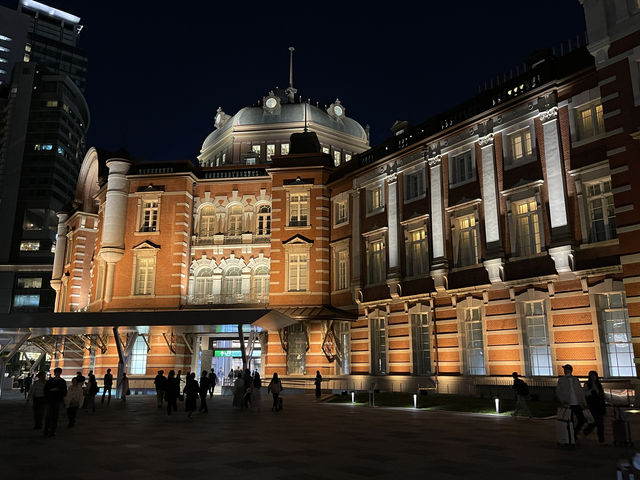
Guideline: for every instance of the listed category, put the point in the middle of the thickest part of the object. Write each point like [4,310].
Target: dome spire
[291,92]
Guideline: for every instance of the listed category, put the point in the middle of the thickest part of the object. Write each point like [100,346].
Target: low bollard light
[497,400]
[415,401]
[353,397]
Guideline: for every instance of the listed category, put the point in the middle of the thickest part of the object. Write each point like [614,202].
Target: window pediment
[146,245]
[298,240]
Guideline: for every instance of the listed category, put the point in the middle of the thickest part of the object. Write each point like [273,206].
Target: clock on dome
[336,109]
[271,103]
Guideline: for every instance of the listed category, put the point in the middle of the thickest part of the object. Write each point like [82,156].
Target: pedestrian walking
[248,382]
[172,391]
[54,390]
[213,380]
[238,392]
[107,385]
[571,395]
[191,390]
[594,395]
[256,390]
[318,383]
[275,387]
[36,394]
[522,392]
[28,380]
[92,391]
[123,385]
[160,383]
[205,387]
[72,401]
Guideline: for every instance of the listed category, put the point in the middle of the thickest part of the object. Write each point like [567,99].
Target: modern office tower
[13,41]
[42,136]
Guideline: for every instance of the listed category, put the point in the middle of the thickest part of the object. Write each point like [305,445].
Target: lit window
[232,284]
[417,257]
[29,246]
[26,302]
[27,48]
[474,343]
[602,215]
[3,60]
[341,211]
[26,58]
[251,160]
[204,283]
[414,185]
[149,216]
[34,219]
[138,359]
[207,221]
[52,103]
[264,220]
[376,264]
[299,210]
[537,338]
[528,241]
[590,121]
[336,158]
[467,236]
[420,344]
[145,273]
[378,333]
[35,282]
[60,151]
[298,272]
[235,220]
[342,270]
[347,157]
[521,146]
[43,147]
[462,168]
[271,150]
[260,285]
[255,149]
[375,199]
[4,49]
[5,38]
[224,158]
[297,352]
[325,150]
[284,149]
[614,325]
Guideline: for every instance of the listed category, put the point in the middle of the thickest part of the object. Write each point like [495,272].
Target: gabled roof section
[146,245]
[298,240]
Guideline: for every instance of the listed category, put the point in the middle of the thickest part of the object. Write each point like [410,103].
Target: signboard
[227,353]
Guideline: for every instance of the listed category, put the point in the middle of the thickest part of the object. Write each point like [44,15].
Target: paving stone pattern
[307,440]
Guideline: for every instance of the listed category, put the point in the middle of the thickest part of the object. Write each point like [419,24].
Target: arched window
[204,282]
[232,287]
[235,220]
[264,220]
[260,287]
[207,221]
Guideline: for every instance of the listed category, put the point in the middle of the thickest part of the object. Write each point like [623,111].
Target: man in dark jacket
[160,383]
[205,384]
[213,380]
[172,391]
[54,391]
[522,392]
[107,385]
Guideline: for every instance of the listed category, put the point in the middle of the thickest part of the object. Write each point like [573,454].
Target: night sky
[158,73]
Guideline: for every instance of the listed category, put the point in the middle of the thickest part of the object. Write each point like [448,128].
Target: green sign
[227,353]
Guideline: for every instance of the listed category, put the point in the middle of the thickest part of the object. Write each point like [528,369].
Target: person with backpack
[522,392]
[275,387]
[571,395]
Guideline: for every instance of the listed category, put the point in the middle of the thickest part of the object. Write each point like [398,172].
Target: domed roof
[288,113]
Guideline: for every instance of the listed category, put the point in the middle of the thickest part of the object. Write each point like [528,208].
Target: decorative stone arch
[259,261]
[461,308]
[87,186]
[198,212]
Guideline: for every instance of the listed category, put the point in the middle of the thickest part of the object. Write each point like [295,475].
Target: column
[437,224]
[355,238]
[392,223]
[560,249]
[494,262]
[58,259]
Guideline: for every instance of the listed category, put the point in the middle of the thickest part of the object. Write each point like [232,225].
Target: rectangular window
[149,216]
[336,158]
[298,272]
[29,246]
[340,212]
[347,157]
[528,239]
[342,270]
[467,231]
[474,342]
[145,273]
[296,356]
[462,168]
[590,121]
[34,219]
[521,145]
[537,338]
[325,150]
[614,326]
[378,346]
[414,185]
[256,149]
[375,199]
[417,256]
[138,360]
[420,344]
[376,264]
[271,150]
[299,210]
[251,161]
[30,282]
[602,215]
[26,303]
[284,149]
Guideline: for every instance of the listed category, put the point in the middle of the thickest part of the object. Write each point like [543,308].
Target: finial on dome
[291,92]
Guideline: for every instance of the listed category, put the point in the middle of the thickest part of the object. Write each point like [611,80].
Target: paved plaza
[307,440]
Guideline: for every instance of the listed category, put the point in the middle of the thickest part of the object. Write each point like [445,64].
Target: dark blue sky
[158,73]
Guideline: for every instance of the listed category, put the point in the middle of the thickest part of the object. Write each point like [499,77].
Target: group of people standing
[170,389]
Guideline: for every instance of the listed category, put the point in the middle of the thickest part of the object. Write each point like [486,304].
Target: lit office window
[5,38]
[417,256]
[528,239]
[376,264]
[614,324]
[138,359]
[467,231]
[25,282]
[590,121]
[474,342]
[284,149]
[521,146]
[325,150]
[271,150]
[29,246]
[336,158]
[420,344]
[537,337]
[26,302]
[602,215]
